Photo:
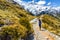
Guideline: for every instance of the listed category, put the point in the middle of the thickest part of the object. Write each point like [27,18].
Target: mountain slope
[14,20]
[51,23]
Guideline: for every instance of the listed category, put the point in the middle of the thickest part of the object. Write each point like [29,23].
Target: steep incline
[51,23]
[14,20]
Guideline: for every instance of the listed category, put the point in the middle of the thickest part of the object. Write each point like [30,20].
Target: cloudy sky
[46,2]
[37,6]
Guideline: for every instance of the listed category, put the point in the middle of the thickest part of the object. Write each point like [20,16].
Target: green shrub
[25,22]
[14,32]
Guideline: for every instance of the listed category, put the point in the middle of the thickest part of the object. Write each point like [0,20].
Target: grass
[14,20]
[51,23]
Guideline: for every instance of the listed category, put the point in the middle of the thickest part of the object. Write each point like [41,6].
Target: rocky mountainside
[36,9]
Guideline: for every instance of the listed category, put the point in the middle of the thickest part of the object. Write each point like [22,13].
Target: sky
[47,2]
[37,6]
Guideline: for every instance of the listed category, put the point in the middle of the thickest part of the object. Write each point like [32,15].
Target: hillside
[51,23]
[14,21]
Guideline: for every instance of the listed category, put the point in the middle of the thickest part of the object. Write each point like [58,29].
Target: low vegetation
[14,21]
[51,23]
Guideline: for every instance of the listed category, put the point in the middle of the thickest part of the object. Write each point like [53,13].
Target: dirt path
[40,34]
[47,35]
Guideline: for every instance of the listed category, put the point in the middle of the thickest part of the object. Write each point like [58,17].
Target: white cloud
[17,0]
[49,3]
[33,0]
[41,2]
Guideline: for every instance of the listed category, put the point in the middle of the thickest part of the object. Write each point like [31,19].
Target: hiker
[39,23]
